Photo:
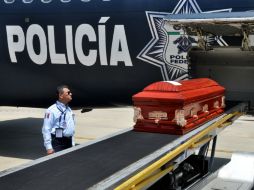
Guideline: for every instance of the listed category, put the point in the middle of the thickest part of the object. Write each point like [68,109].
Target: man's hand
[50,151]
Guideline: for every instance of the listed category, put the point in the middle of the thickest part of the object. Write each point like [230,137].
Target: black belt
[54,136]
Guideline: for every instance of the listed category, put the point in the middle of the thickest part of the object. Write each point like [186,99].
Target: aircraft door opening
[230,67]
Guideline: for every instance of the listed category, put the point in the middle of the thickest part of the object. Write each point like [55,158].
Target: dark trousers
[61,143]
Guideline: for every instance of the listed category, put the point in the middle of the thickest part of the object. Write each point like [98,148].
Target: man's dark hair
[59,89]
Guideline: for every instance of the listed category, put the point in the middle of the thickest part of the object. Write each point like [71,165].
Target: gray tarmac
[21,139]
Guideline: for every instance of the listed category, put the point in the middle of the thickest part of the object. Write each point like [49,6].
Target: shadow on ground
[21,138]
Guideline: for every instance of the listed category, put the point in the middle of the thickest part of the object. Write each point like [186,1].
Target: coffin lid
[172,86]
[182,92]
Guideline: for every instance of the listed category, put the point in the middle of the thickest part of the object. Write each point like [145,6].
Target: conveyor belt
[82,168]
[89,165]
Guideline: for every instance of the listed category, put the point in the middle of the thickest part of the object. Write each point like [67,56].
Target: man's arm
[46,131]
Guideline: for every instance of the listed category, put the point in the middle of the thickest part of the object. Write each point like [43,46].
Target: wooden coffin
[177,107]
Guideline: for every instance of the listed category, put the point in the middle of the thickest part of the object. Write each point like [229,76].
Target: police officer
[59,127]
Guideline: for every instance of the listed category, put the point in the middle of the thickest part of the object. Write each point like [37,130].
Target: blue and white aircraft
[105,50]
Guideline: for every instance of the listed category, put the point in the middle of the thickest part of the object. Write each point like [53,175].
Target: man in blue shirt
[59,125]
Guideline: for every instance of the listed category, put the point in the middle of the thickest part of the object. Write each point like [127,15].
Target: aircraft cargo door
[230,67]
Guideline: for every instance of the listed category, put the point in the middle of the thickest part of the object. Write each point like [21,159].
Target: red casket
[177,107]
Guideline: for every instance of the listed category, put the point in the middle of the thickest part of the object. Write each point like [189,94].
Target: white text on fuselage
[19,40]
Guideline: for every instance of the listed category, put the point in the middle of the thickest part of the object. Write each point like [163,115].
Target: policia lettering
[17,39]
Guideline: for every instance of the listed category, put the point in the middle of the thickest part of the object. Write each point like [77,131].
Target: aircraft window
[85,1]
[65,1]
[9,1]
[46,1]
[28,1]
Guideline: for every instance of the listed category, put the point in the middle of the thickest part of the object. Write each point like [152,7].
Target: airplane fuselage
[106,51]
